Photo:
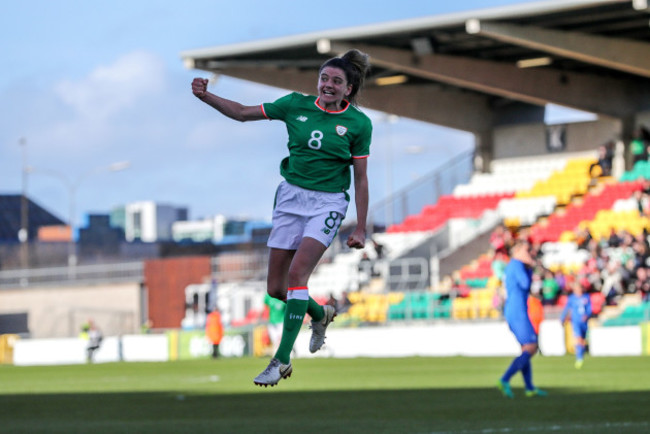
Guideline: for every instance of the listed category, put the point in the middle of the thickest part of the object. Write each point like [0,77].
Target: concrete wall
[60,311]
[530,139]
[469,339]
[643,118]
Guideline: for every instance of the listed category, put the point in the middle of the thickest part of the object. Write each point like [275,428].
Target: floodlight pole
[72,193]
[23,233]
[390,119]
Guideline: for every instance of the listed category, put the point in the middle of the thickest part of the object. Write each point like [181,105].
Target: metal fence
[425,191]
[224,267]
[77,275]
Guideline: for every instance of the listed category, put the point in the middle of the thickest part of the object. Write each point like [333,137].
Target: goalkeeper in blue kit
[327,134]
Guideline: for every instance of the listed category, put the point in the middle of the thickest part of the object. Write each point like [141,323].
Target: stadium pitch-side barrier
[475,339]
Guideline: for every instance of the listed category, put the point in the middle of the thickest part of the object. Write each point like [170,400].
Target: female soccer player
[578,307]
[327,134]
[518,277]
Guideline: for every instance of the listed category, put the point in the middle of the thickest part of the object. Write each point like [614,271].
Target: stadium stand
[560,200]
[433,217]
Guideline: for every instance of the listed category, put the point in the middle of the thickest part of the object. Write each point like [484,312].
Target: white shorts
[300,213]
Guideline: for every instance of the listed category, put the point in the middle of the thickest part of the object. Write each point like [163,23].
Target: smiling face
[333,87]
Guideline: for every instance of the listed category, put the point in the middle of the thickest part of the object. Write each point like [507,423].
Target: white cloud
[109,89]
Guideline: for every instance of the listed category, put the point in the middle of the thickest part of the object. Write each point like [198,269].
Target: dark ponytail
[356,65]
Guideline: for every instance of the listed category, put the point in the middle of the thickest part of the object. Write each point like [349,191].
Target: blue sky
[91,83]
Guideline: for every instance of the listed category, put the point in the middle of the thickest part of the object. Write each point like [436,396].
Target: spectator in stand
[646,185]
[641,283]
[612,282]
[584,281]
[537,282]
[561,280]
[639,145]
[642,203]
[605,157]
[501,240]
[344,303]
[499,265]
[459,288]
[625,250]
[614,239]
[365,269]
[379,249]
[578,308]
[603,258]
[583,237]
[550,289]
[590,273]
[628,274]
[641,249]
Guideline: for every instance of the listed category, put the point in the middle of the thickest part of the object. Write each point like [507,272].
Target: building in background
[207,229]
[99,238]
[151,222]
[222,231]
[11,213]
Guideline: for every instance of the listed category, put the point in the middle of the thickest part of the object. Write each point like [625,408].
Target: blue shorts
[523,330]
[579,330]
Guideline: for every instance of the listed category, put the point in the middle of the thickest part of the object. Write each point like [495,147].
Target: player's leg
[526,336]
[526,369]
[527,372]
[320,230]
[277,280]
[579,334]
[516,365]
[302,265]
[297,303]
[278,271]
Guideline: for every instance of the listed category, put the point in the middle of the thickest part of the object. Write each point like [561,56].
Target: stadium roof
[473,70]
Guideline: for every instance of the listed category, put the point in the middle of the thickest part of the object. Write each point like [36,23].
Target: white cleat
[318,329]
[273,373]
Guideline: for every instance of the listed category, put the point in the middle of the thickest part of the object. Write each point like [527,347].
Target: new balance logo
[302,118]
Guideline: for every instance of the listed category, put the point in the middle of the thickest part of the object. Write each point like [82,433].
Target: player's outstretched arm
[231,109]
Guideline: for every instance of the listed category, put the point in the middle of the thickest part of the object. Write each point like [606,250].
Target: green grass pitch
[401,395]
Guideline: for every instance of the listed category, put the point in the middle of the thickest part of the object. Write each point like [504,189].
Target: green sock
[293,318]
[315,310]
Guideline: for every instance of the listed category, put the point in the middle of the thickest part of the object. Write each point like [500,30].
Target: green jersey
[276,309]
[322,143]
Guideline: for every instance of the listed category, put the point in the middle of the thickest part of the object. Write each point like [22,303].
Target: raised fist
[200,87]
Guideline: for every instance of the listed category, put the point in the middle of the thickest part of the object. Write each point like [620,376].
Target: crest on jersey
[341,130]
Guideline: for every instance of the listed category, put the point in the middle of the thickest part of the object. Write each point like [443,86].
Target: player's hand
[200,87]
[357,239]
